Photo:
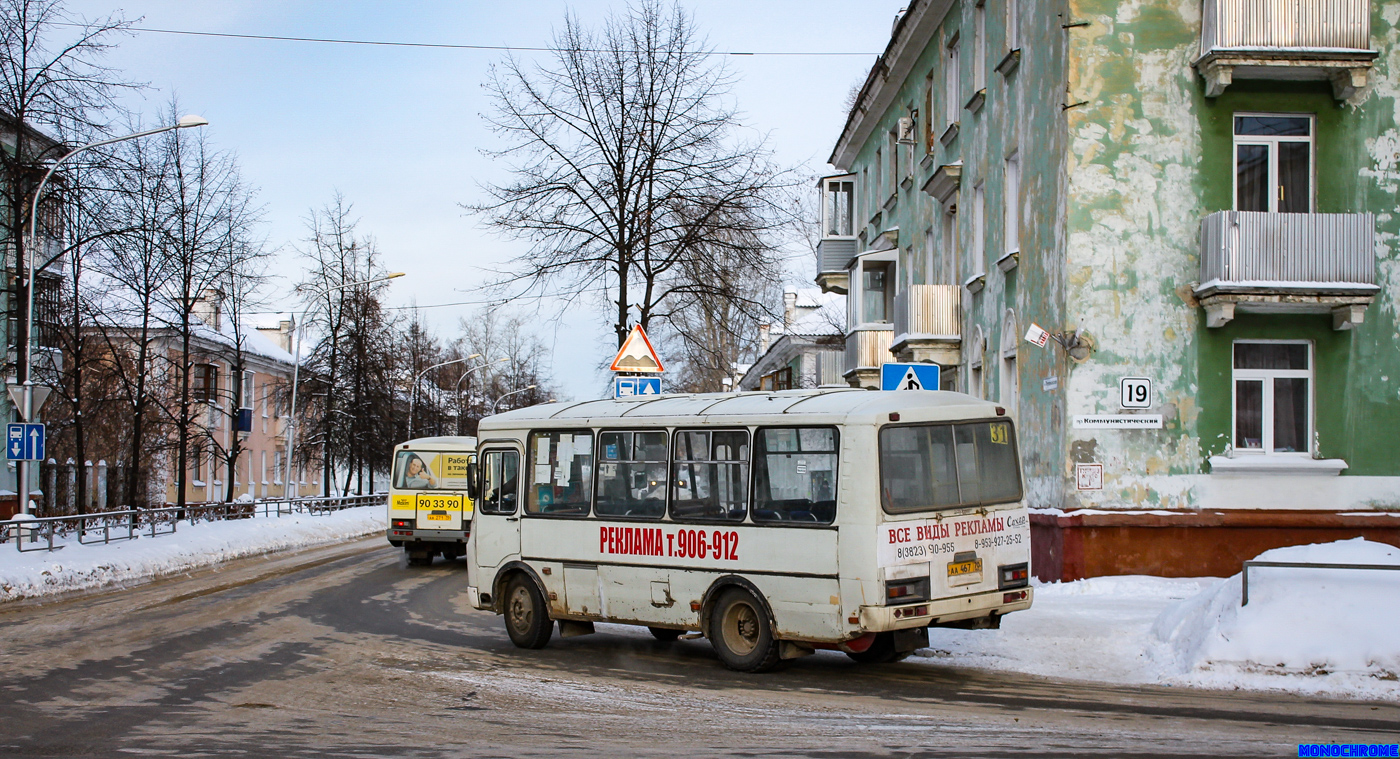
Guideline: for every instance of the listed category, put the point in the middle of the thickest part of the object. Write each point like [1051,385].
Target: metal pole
[27,362]
[507,395]
[466,374]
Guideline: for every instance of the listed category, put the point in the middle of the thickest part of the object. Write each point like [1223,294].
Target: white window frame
[1272,143]
[856,297]
[248,391]
[977,252]
[827,193]
[979,46]
[1266,377]
[1013,25]
[952,80]
[1012,200]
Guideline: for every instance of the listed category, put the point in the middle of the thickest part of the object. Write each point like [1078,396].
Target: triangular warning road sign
[911,381]
[637,355]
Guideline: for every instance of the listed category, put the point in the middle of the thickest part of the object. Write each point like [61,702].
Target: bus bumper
[944,610]
[399,536]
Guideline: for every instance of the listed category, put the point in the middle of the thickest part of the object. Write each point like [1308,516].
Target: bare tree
[626,166]
[497,335]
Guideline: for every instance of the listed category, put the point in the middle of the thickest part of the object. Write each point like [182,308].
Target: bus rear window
[428,470]
[942,466]
[795,475]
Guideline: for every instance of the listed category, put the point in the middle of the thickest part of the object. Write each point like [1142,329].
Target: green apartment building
[1198,200]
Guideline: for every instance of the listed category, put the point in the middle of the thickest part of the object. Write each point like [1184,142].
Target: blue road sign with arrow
[909,376]
[626,387]
[24,442]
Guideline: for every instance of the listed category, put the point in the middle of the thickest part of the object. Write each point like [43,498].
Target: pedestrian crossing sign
[909,376]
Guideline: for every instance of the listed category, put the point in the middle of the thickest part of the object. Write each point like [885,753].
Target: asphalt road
[345,651]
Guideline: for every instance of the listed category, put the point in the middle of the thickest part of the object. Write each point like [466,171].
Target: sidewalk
[86,567]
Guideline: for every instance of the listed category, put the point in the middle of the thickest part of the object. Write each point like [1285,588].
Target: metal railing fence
[1244,573]
[46,533]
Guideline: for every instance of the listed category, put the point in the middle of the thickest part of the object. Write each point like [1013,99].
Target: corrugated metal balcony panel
[1288,251]
[929,312]
[830,364]
[1305,24]
[868,348]
[835,253]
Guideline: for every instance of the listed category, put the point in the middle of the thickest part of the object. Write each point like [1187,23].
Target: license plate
[439,516]
[962,568]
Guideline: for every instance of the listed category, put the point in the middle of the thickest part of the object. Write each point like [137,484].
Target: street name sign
[1118,422]
[909,376]
[24,442]
[628,387]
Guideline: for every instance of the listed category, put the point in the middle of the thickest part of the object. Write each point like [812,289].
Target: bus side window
[560,474]
[795,475]
[501,476]
[710,476]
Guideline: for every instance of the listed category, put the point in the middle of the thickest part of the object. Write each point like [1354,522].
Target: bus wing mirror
[473,481]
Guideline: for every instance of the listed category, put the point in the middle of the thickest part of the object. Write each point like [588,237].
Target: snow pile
[83,567]
[1317,631]
[1338,627]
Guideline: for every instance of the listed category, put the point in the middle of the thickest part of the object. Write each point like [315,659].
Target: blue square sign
[909,376]
[24,442]
[627,387]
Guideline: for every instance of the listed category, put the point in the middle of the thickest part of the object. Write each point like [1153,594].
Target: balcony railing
[1334,24]
[1288,253]
[867,349]
[928,312]
[1286,39]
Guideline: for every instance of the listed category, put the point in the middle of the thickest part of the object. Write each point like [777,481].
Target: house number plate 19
[1135,392]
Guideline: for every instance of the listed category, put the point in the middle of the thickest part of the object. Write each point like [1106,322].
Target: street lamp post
[466,374]
[507,395]
[413,391]
[296,372]
[27,363]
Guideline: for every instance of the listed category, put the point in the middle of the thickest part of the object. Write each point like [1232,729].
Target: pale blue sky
[397,130]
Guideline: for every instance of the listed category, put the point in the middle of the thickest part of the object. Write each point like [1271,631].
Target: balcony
[1287,262]
[1326,40]
[928,324]
[834,255]
[866,350]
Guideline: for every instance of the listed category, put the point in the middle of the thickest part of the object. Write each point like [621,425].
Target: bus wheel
[881,651]
[742,634]
[420,557]
[527,622]
[664,634]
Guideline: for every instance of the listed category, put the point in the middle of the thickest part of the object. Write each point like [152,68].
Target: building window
[204,383]
[1010,380]
[1273,397]
[930,137]
[245,392]
[892,155]
[840,195]
[911,142]
[951,91]
[977,253]
[950,244]
[1013,204]
[974,363]
[1013,25]
[778,380]
[876,292]
[1273,163]
[979,47]
[879,185]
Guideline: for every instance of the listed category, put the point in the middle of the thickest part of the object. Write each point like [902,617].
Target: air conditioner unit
[906,130]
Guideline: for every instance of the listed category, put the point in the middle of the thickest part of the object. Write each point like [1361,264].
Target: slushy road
[344,651]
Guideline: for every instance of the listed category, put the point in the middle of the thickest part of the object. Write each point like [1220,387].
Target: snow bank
[83,567]
[1317,631]
[1311,630]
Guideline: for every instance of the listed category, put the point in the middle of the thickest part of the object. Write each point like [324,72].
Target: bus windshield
[428,470]
[930,467]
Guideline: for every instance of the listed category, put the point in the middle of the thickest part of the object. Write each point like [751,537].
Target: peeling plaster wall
[1149,157]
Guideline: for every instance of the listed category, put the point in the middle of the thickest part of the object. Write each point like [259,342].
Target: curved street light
[458,391]
[296,372]
[413,392]
[185,122]
[507,395]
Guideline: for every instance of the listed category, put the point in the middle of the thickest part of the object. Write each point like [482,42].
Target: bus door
[497,532]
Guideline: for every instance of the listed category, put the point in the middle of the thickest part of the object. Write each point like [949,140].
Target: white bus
[776,523]
[430,508]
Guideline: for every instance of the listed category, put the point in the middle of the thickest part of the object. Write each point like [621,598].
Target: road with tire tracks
[346,651]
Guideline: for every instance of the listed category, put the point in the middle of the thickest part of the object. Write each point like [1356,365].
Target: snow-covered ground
[1316,631]
[82,567]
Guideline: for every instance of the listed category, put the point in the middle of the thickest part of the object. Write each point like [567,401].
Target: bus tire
[527,619]
[882,651]
[664,634]
[419,556]
[742,633]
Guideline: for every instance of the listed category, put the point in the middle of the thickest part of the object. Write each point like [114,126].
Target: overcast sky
[398,130]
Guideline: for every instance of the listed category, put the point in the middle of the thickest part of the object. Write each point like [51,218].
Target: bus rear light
[915,611]
[406,524]
[907,591]
[1011,598]
[1013,576]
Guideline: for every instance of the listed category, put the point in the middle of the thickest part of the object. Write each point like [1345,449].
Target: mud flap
[571,629]
[910,639]
[789,650]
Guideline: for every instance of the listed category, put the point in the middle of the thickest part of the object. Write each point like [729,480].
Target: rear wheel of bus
[742,633]
[527,620]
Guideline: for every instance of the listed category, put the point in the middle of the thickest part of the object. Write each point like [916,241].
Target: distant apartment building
[805,351]
[1196,196]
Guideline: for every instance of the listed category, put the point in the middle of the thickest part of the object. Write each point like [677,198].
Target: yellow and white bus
[430,506]
[776,523]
